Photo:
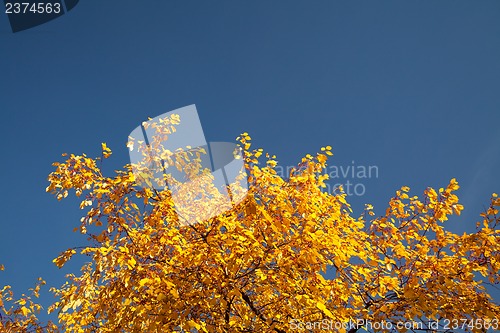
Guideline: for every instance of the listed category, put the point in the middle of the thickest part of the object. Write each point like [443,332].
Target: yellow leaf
[144,282]
[25,311]
[323,308]
[131,263]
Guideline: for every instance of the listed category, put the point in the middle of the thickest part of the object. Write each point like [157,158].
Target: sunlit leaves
[65,256]
[261,265]
[20,315]
[106,152]
[262,262]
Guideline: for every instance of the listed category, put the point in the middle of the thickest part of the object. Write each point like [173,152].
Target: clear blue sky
[412,87]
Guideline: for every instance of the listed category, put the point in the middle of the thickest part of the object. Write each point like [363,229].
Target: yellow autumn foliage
[260,266]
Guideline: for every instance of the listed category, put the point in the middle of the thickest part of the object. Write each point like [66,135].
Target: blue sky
[412,87]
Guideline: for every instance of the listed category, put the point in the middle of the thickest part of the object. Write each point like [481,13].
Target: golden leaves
[63,258]
[323,308]
[25,311]
[21,315]
[106,152]
[259,264]
[327,150]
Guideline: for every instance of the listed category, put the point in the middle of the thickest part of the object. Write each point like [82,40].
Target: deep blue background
[412,87]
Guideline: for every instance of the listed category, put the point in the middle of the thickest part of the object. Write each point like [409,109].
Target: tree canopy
[261,265]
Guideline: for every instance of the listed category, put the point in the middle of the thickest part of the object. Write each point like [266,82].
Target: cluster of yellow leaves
[420,270]
[106,151]
[260,266]
[20,315]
